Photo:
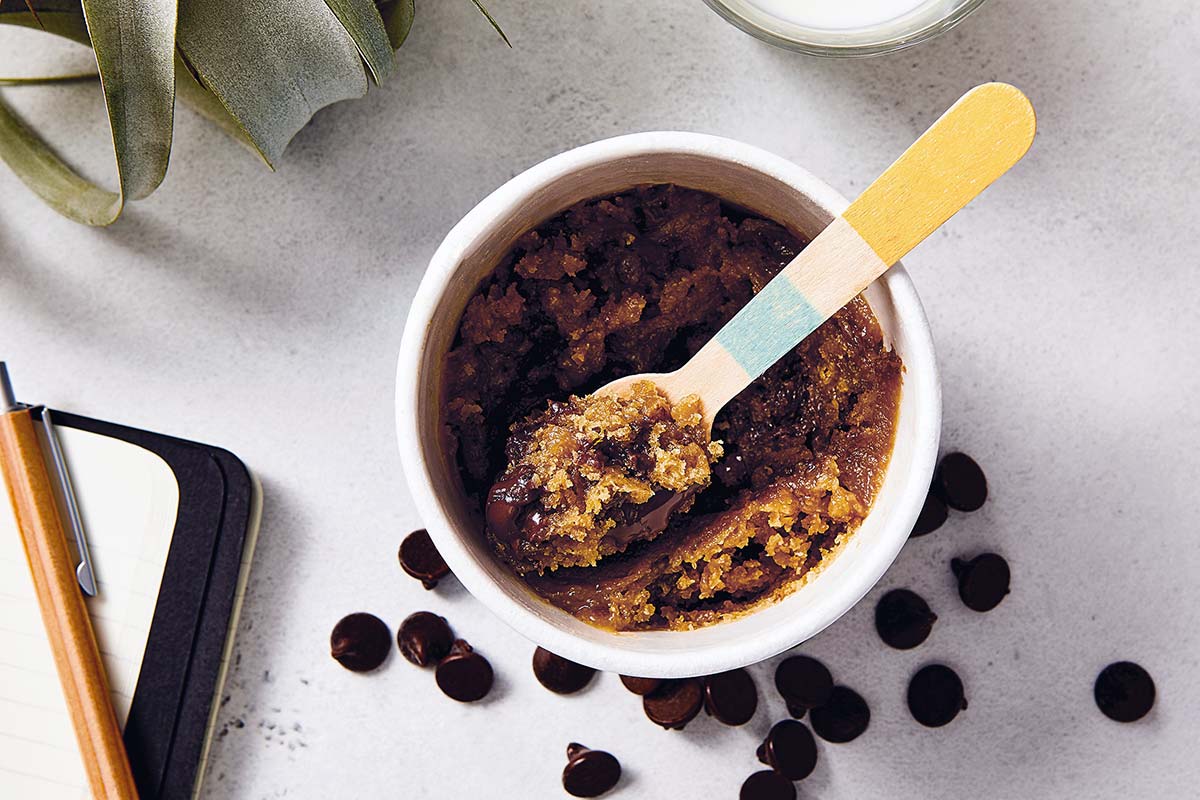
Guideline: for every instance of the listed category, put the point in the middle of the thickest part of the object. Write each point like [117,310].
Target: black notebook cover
[168,722]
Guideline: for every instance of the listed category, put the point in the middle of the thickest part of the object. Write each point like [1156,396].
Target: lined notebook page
[128,497]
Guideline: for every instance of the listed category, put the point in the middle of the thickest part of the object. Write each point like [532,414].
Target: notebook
[171,527]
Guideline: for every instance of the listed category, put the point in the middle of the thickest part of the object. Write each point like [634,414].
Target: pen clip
[8,402]
[84,571]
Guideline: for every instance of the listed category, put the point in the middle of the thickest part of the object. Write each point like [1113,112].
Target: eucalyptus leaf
[60,17]
[208,105]
[363,22]
[37,80]
[260,69]
[134,42]
[492,20]
[32,160]
[398,19]
[271,63]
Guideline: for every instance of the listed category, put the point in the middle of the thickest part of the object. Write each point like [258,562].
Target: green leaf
[32,160]
[398,19]
[208,105]
[37,80]
[133,45]
[134,42]
[362,20]
[271,63]
[60,17]
[492,20]
[258,68]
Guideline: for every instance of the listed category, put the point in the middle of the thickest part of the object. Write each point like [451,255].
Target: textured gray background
[263,313]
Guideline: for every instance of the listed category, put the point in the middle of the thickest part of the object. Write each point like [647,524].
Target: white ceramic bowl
[749,177]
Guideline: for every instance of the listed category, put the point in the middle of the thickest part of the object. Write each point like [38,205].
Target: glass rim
[859,50]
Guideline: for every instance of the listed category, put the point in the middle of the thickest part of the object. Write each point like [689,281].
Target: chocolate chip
[843,719]
[360,642]
[903,619]
[767,784]
[933,515]
[675,703]
[1124,691]
[803,682]
[731,696]
[960,483]
[982,581]
[640,685]
[935,695]
[589,773]
[420,559]
[558,674]
[796,710]
[507,500]
[464,675]
[790,750]
[424,638]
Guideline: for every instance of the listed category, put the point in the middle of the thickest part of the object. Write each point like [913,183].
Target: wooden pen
[64,614]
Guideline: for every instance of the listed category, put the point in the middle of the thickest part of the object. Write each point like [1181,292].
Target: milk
[842,14]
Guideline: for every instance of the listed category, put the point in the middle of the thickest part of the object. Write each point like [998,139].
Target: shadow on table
[254,706]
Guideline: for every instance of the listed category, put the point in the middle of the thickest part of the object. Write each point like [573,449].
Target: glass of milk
[844,27]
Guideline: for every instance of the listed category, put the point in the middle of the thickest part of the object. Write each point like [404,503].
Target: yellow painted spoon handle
[975,142]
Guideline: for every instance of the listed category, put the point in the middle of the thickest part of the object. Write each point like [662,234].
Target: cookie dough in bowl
[623,257]
[637,282]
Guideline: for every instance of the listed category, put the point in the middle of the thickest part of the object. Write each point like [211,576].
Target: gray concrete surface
[263,313]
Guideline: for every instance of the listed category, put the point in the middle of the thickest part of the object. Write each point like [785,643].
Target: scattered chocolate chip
[731,697]
[803,682]
[767,784]
[420,559]
[796,710]
[982,581]
[903,619]
[843,719]
[464,675]
[790,750]
[960,483]
[558,674]
[360,642]
[933,515]
[589,773]
[675,703]
[1124,691]
[640,685]
[935,695]
[424,638]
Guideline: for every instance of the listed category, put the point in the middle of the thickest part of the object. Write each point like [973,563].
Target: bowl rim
[920,370]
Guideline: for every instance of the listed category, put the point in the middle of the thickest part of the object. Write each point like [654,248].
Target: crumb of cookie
[589,476]
[762,543]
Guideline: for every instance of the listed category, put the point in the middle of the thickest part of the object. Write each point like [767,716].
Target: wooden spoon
[975,142]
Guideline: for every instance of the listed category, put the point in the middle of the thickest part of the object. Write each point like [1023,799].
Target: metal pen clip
[84,570]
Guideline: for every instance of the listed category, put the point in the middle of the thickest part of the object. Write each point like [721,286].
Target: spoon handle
[975,142]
